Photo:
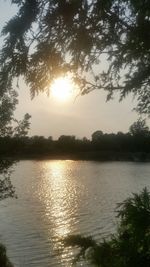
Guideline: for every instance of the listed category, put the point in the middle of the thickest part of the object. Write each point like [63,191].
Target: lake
[61,197]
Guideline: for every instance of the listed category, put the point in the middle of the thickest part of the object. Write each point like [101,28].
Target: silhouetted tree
[66,142]
[23,126]
[103,146]
[50,138]
[96,136]
[66,138]
[46,39]
[139,128]
[8,102]
[85,140]
[130,246]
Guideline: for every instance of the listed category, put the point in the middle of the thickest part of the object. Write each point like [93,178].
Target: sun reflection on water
[60,201]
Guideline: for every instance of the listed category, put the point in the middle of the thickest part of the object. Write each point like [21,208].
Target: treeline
[134,145]
[102,146]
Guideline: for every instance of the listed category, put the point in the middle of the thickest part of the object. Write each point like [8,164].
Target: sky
[80,117]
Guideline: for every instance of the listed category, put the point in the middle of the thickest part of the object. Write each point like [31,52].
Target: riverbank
[88,155]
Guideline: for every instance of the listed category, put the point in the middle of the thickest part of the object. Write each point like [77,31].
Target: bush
[130,246]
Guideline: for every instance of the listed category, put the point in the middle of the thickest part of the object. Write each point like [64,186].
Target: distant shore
[107,147]
[92,155]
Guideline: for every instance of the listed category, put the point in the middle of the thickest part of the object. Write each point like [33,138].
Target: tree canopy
[47,39]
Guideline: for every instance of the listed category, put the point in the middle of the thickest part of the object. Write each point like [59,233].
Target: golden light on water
[59,196]
[62,89]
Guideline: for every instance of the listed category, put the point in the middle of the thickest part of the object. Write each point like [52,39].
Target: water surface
[61,197]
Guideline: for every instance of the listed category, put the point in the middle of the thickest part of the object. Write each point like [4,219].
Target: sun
[62,88]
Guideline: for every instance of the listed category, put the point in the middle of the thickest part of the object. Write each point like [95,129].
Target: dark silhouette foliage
[9,126]
[130,246]
[133,146]
[6,187]
[96,136]
[47,39]
[7,190]
[139,128]
[8,102]
[23,126]
[4,261]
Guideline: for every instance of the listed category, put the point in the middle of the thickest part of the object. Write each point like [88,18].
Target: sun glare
[62,88]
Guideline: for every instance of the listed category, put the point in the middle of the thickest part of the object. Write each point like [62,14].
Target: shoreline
[87,156]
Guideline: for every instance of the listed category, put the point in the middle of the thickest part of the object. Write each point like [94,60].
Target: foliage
[96,136]
[46,39]
[8,103]
[23,126]
[130,246]
[103,146]
[6,187]
[139,128]
[9,126]
[4,261]
[6,190]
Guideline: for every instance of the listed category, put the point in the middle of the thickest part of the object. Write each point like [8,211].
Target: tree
[139,128]
[66,143]
[130,246]
[8,102]
[96,136]
[47,39]
[66,139]
[21,130]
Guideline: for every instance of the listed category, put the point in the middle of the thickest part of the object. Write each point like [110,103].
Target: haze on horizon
[80,117]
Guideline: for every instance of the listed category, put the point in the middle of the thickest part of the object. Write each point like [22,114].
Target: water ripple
[57,198]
